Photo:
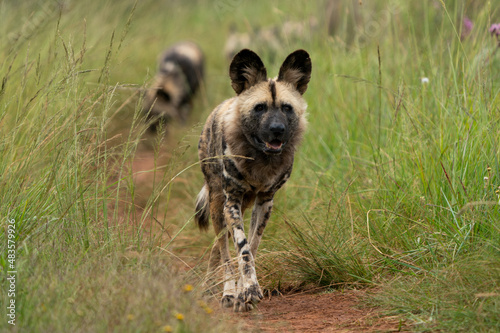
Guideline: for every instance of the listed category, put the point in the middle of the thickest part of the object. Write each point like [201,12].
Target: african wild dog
[180,72]
[246,150]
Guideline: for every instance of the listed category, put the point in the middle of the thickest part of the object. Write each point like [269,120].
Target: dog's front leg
[249,292]
[262,212]
[260,215]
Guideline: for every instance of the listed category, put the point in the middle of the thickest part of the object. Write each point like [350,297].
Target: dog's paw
[248,299]
[241,306]
[227,301]
[253,294]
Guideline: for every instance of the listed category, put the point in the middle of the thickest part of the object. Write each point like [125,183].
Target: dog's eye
[286,108]
[260,107]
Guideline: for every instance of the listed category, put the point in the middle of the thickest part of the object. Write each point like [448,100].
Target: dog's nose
[277,128]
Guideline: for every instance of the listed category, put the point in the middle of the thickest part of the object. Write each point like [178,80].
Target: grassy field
[396,187]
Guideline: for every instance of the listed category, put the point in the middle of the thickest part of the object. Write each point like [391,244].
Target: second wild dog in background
[180,72]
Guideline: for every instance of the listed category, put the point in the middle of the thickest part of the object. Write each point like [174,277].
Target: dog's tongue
[275,144]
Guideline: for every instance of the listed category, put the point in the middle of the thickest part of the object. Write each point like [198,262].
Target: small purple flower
[495,29]
[467,27]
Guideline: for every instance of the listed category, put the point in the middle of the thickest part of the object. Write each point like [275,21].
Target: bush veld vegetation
[396,185]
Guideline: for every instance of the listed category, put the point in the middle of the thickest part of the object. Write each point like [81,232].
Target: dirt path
[332,312]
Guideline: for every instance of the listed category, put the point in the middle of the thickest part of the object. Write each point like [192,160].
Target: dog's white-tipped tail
[202,208]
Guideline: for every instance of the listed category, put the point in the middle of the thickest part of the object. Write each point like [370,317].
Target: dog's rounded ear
[296,69]
[246,70]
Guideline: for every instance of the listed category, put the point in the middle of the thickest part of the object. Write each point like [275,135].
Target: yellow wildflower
[187,287]
[179,316]
[167,328]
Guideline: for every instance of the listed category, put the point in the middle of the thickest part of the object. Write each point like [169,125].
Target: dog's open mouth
[273,147]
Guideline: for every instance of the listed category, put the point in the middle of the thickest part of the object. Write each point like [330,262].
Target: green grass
[388,189]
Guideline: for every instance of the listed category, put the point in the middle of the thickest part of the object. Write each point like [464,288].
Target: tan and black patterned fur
[180,73]
[247,149]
